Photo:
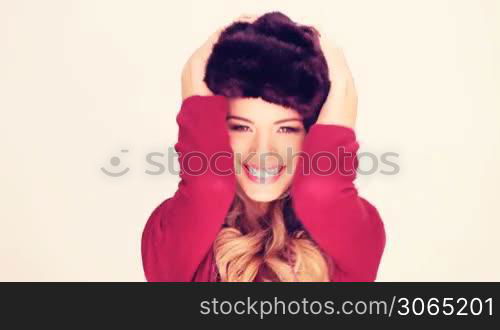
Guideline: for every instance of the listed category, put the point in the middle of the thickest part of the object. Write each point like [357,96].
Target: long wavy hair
[272,245]
[280,61]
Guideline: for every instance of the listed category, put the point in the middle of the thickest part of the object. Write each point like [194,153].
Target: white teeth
[265,173]
[273,171]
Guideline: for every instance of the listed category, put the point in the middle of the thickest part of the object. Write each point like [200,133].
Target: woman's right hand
[193,72]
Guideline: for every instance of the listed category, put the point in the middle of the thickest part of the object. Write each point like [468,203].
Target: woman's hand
[193,72]
[341,105]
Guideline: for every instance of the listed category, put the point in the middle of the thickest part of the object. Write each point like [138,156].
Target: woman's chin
[263,195]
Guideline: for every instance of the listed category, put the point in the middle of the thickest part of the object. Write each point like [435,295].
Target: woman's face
[264,137]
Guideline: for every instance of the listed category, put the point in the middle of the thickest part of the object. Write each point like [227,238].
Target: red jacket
[178,236]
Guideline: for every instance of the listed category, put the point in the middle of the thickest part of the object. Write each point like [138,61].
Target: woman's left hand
[193,72]
[341,104]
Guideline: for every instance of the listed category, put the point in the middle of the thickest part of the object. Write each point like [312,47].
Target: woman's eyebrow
[287,119]
[251,122]
[240,118]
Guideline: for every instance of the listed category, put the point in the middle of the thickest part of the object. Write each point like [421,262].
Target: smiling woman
[259,90]
[261,140]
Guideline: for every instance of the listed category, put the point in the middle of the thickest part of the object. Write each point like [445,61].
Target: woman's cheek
[293,154]
[237,144]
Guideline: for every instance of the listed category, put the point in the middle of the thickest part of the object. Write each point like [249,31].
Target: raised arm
[346,226]
[180,231]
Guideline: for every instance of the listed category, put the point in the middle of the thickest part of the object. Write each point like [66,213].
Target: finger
[247,18]
[214,37]
[250,18]
[333,54]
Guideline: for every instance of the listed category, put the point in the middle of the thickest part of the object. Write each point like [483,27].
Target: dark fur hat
[273,58]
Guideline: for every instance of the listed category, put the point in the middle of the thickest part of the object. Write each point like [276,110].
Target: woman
[267,151]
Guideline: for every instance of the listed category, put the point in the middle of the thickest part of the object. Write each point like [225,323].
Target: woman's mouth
[263,175]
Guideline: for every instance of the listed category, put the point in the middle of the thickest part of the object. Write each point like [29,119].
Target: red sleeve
[346,226]
[181,230]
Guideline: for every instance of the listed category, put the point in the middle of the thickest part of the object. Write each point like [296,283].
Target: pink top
[178,236]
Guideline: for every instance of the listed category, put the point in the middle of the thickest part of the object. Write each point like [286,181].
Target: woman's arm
[345,225]
[180,231]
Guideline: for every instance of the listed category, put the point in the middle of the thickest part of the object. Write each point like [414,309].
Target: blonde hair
[254,243]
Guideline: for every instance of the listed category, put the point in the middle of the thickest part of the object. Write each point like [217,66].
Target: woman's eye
[239,128]
[289,129]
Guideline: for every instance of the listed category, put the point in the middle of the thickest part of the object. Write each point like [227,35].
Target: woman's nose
[263,144]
